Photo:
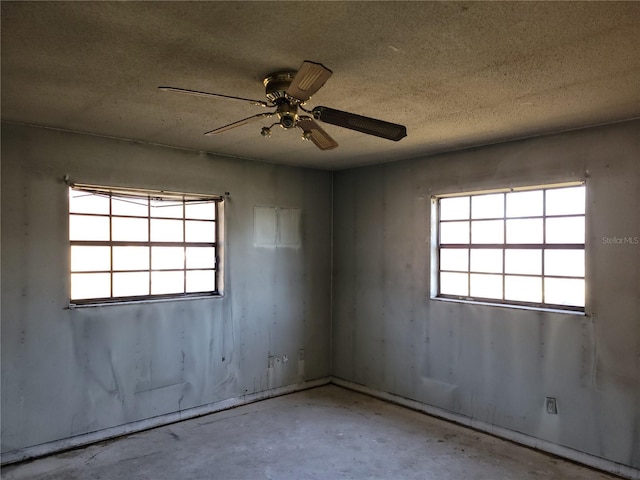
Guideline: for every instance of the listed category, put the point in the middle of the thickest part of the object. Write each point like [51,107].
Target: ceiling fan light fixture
[287,121]
[288,114]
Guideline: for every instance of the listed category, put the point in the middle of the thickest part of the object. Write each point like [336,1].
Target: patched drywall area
[67,372]
[496,364]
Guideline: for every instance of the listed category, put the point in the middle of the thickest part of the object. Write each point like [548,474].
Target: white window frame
[176,198]
[437,246]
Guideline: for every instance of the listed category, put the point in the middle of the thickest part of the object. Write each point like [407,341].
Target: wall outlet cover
[552,405]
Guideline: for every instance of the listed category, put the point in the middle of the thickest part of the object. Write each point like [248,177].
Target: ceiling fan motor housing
[276,85]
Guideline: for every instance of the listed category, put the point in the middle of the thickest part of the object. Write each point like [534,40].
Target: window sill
[73,306]
[512,306]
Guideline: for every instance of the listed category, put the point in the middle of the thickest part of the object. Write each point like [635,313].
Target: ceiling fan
[287,92]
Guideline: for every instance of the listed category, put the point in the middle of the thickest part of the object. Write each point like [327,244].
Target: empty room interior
[320,240]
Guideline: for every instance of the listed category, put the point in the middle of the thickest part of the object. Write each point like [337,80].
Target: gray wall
[68,372]
[496,364]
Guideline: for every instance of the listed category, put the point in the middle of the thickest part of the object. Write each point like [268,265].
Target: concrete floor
[323,433]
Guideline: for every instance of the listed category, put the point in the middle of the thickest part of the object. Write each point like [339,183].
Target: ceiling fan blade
[239,123]
[316,134]
[371,126]
[214,95]
[310,77]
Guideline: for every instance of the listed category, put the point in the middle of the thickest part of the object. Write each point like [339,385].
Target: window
[516,247]
[135,245]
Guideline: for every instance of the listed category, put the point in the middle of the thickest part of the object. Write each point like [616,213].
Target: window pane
[166,230]
[199,231]
[132,283]
[454,232]
[130,258]
[565,263]
[454,284]
[487,260]
[523,289]
[166,208]
[90,285]
[201,257]
[454,259]
[135,207]
[130,229]
[201,281]
[85,202]
[90,259]
[202,211]
[564,291]
[487,231]
[523,261]
[167,258]
[565,230]
[455,208]
[565,201]
[524,231]
[487,206]
[167,282]
[486,286]
[83,227]
[524,204]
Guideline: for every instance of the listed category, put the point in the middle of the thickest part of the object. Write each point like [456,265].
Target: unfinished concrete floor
[323,433]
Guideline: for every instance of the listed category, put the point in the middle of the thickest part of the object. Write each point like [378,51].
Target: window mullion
[149,237]
[111,244]
[216,238]
[469,253]
[184,248]
[504,240]
[439,249]
[544,240]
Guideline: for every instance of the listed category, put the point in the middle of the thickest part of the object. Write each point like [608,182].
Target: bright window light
[128,245]
[486,260]
[524,247]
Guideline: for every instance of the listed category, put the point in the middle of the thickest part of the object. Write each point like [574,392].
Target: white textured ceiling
[457,74]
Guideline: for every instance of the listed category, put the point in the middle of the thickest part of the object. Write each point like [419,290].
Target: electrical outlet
[301,355]
[552,406]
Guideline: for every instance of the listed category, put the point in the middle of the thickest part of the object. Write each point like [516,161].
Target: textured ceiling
[456,74]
